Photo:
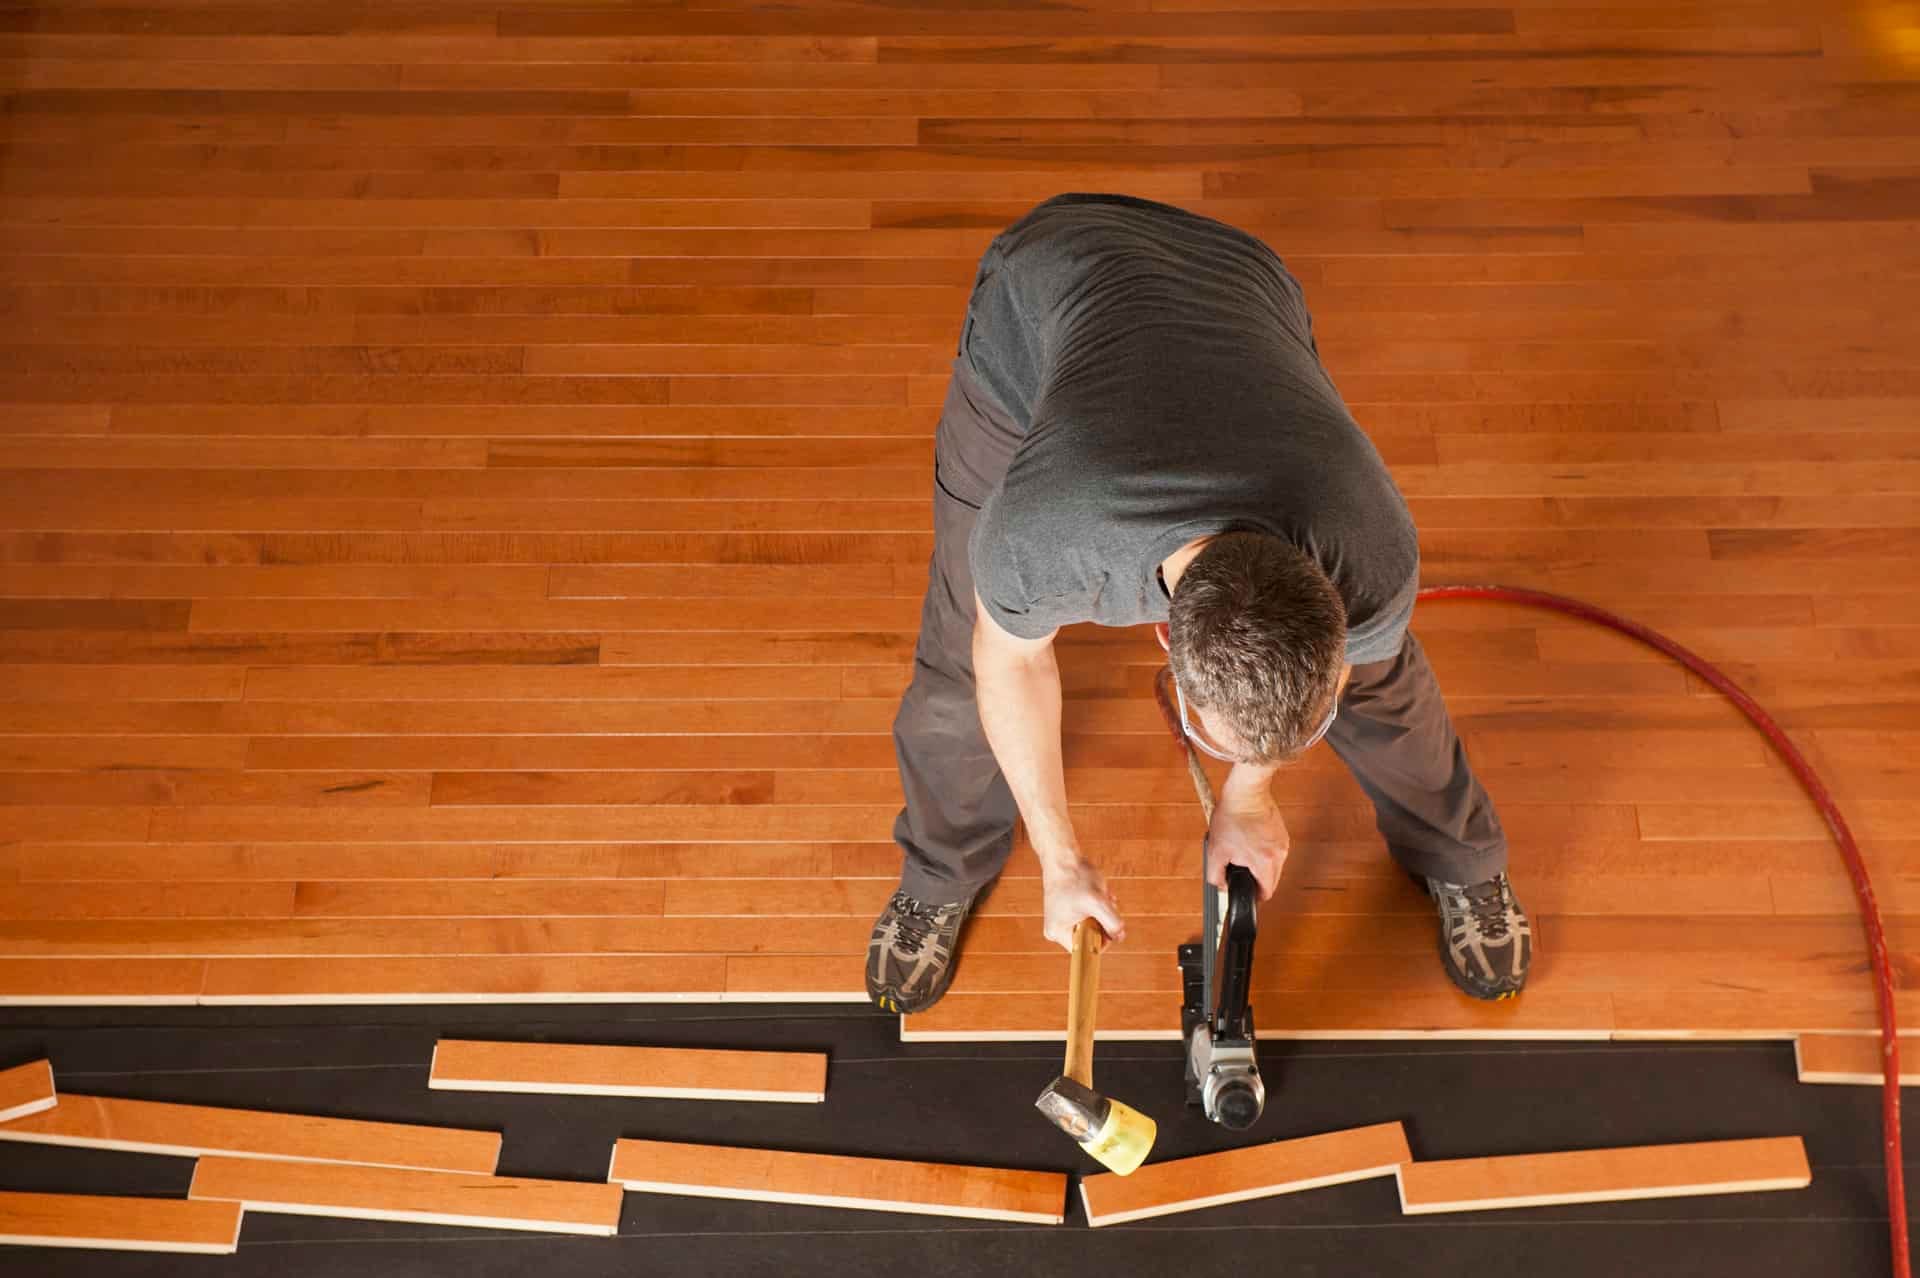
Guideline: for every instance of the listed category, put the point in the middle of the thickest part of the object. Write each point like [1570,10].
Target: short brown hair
[1258,635]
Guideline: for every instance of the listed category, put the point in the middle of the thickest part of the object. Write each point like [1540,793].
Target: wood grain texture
[101,1223]
[464,481]
[581,1069]
[155,1127]
[421,1197]
[1604,1175]
[1237,1175]
[833,1180]
[26,1089]
[1848,1058]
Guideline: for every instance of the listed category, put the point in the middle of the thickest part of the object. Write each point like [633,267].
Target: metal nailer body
[1216,1016]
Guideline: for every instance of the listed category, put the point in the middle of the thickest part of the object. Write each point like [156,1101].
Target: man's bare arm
[1018,687]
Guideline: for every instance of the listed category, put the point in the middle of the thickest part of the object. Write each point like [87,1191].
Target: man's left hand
[1248,833]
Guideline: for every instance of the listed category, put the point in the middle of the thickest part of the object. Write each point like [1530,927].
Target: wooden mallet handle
[1083,995]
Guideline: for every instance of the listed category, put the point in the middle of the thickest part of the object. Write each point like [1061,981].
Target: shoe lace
[913,924]
[1487,904]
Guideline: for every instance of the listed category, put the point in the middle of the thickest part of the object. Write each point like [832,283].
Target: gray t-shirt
[1162,368]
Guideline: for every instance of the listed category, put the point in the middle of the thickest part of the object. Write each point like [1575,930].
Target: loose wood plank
[1604,1175]
[1851,1058]
[834,1180]
[581,1069]
[1237,1175]
[422,1197]
[104,1223]
[155,1127]
[26,1089]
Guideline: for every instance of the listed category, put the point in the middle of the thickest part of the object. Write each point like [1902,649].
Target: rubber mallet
[1118,1136]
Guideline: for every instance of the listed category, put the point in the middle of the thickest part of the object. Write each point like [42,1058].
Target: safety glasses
[1208,748]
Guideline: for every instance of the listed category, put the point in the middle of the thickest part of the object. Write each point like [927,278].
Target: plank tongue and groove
[836,1180]
[422,1197]
[584,1069]
[1236,1175]
[119,1224]
[158,1127]
[26,1089]
[1604,1175]
[1851,1058]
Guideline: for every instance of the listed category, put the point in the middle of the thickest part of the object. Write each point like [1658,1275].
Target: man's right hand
[1074,890]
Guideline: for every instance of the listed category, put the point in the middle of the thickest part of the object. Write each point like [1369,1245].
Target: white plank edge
[118,1244]
[39,1105]
[634,1093]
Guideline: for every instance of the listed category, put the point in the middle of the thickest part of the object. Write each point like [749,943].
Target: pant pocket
[941,483]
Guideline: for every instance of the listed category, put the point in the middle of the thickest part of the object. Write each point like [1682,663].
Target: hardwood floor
[464,480]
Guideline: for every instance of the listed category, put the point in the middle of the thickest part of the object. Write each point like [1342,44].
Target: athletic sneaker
[910,958]
[1486,941]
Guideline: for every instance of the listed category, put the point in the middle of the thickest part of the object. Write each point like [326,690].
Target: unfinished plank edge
[344,1191]
[539,1068]
[100,1222]
[1622,1174]
[1379,1151]
[689,1189]
[1851,1059]
[98,1000]
[26,1089]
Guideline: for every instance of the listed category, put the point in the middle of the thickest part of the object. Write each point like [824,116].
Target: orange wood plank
[1433,1013]
[26,1089]
[590,1070]
[423,1197]
[153,1127]
[139,979]
[830,1180]
[1847,1058]
[1604,1175]
[1238,1175]
[119,1223]
[537,978]
[1684,1014]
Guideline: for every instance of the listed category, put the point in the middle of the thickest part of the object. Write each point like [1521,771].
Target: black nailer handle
[1234,978]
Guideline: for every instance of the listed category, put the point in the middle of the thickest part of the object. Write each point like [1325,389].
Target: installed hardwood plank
[1604,1175]
[554,940]
[26,1089]
[138,980]
[1689,1015]
[421,1197]
[534,978]
[1239,1175]
[119,1224]
[832,1180]
[1435,1013]
[1850,1058]
[580,1069]
[155,1127]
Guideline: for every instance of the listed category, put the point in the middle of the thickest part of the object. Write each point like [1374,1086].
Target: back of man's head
[1258,636]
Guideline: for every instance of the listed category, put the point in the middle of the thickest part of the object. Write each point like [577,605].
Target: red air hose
[1849,853]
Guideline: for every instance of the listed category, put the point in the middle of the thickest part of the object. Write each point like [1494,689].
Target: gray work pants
[956,829]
